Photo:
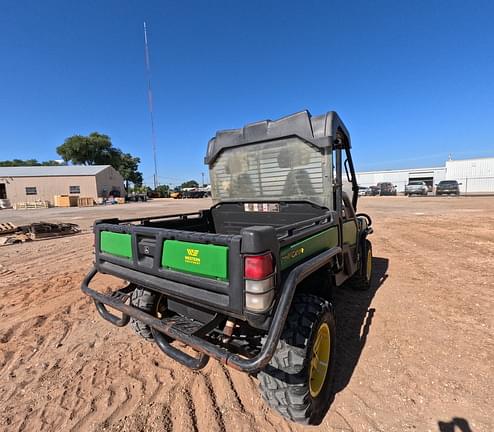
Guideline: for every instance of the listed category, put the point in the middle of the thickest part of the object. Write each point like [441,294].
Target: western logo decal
[192,257]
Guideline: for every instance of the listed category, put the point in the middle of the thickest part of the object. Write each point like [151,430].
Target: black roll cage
[327,132]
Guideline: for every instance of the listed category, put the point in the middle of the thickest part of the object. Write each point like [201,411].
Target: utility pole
[150,104]
[202,185]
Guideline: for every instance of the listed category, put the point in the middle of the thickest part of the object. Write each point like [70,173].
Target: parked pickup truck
[386,188]
[248,281]
[448,187]
[416,188]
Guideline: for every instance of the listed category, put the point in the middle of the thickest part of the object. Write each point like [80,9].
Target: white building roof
[471,159]
[409,170]
[51,171]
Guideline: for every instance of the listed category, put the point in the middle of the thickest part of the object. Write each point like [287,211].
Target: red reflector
[258,267]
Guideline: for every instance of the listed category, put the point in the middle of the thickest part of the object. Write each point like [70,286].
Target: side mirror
[460,184]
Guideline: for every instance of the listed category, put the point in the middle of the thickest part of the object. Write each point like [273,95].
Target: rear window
[416,183]
[448,183]
[281,170]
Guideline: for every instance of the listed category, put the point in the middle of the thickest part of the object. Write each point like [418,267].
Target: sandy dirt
[415,353]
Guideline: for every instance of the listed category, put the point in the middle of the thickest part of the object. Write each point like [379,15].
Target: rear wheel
[147,301]
[297,382]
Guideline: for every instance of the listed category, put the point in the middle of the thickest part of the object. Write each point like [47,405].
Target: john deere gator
[248,281]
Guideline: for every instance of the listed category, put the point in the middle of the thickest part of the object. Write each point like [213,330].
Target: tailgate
[206,260]
[198,267]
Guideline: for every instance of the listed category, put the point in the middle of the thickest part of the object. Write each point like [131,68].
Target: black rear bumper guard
[205,348]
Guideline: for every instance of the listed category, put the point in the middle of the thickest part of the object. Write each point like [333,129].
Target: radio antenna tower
[150,104]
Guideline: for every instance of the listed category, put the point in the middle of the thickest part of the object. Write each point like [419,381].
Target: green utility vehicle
[248,282]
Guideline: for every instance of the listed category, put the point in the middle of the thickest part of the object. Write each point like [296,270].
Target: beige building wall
[48,187]
[94,186]
[107,180]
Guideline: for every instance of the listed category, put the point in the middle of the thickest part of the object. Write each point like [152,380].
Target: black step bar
[205,348]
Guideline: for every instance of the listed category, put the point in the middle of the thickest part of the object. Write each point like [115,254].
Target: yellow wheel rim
[320,360]
[369,265]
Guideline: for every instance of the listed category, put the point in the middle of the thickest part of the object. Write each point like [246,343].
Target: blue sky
[413,81]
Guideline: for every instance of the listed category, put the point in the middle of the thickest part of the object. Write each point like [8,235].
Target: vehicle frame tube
[204,347]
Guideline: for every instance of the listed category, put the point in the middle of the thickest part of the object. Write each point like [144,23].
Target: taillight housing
[257,267]
[259,275]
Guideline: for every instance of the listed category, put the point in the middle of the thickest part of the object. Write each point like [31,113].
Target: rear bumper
[205,348]
[447,192]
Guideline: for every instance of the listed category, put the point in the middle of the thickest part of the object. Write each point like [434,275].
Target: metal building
[21,184]
[476,176]
[400,178]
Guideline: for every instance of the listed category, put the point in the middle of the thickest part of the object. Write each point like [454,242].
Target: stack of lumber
[10,234]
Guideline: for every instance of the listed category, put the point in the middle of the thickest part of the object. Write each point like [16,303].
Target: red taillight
[258,266]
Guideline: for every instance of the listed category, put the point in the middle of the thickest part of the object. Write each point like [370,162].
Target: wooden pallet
[7,228]
[85,202]
[31,205]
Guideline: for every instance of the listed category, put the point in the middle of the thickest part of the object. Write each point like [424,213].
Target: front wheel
[297,382]
[363,277]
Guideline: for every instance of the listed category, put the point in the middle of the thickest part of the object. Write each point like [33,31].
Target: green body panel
[305,248]
[350,232]
[116,244]
[201,259]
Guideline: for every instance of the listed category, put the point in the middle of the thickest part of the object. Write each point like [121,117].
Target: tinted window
[31,190]
[281,170]
[74,189]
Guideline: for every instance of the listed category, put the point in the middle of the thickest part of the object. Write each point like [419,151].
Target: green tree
[127,166]
[189,184]
[97,149]
[28,162]
[52,163]
[94,149]
[163,190]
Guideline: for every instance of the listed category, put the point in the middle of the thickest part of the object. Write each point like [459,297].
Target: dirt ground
[415,353]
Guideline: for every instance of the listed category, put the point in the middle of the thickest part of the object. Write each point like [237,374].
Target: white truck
[416,188]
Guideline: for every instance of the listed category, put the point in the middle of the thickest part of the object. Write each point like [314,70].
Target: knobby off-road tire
[146,301]
[361,281]
[286,383]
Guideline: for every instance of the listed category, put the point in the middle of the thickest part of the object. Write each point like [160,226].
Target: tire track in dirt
[210,405]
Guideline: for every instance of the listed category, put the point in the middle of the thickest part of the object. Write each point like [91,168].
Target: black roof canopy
[319,131]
